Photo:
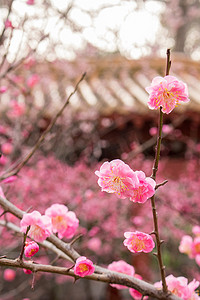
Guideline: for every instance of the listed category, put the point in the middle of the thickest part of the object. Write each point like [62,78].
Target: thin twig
[155,168]
[16,169]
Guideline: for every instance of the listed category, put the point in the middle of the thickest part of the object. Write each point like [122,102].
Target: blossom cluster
[179,286]
[191,246]
[117,177]
[57,219]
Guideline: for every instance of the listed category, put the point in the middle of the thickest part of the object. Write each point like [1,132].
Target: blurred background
[45,47]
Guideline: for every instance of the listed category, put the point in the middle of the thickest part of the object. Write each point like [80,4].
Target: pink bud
[9,275]
[7,148]
[30,249]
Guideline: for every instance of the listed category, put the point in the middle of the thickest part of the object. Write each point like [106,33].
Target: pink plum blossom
[179,286]
[3,89]
[27,271]
[117,177]
[9,274]
[167,93]
[196,230]
[8,24]
[40,226]
[138,242]
[186,245]
[94,244]
[31,248]
[83,267]
[197,259]
[166,129]
[145,190]
[153,131]
[30,2]
[196,246]
[122,267]
[134,293]
[64,222]
[7,148]
[32,80]
[16,109]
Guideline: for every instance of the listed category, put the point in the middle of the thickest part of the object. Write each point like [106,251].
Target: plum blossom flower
[186,245]
[122,267]
[7,148]
[167,93]
[3,89]
[83,267]
[30,2]
[196,230]
[134,293]
[196,246]
[197,259]
[40,226]
[117,177]
[138,242]
[8,24]
[64,222]
[32,80]
[145,190]
[9,274]
[179,286]
[31,248]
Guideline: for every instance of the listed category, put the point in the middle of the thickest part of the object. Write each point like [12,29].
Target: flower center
[138,244]
[59,222]
[83,268]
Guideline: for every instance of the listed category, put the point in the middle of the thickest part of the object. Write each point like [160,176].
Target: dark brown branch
[109,277]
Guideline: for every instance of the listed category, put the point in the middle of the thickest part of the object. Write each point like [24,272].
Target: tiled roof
[113,83]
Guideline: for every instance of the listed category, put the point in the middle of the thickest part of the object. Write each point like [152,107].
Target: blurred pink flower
[64,222]
[145,190]
[83,267]
[32,80]
[196,246]
[138,242]
[31,248]
[153,131]
[9,274]
[134,293]
[40,226]
[186,245]
[3,160]
[197,258]
[30,2]
[122,267]
[179,286]
[117,177]
[27,271]
[166,129]
[8,24]
[7,148]
[167,93]
[3,89]
[16,109]
[94,244]
[196,230]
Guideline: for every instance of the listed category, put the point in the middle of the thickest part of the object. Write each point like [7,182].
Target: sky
[137,26]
